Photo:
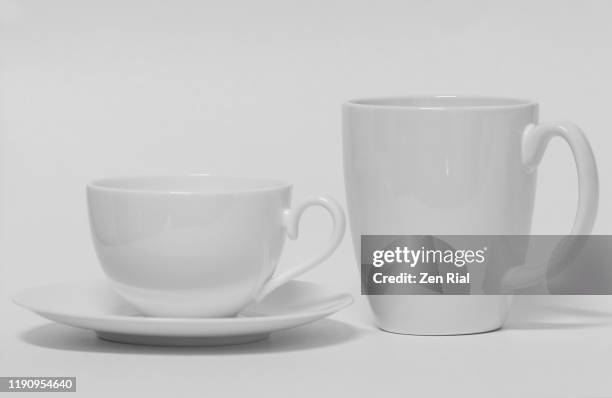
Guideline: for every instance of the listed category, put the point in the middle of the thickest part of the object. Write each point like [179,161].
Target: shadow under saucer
[320,334]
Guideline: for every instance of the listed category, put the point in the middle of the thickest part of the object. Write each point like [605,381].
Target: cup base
[155,302]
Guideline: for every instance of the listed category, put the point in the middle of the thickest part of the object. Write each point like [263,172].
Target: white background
[254,88]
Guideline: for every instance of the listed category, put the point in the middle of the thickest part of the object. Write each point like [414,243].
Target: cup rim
[440,102]
[129,184]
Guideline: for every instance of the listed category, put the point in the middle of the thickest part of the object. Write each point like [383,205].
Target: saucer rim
[338,301]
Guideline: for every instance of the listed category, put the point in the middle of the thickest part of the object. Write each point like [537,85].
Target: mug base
[439,332]
[430,315]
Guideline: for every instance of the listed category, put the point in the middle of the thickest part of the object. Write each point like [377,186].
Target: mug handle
[534,142]
[291,218]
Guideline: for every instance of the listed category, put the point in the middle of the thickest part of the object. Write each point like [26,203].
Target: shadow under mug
[452,165]
[198,246]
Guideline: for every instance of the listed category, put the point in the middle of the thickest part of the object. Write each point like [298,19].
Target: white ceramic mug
[198,246]
[451,165]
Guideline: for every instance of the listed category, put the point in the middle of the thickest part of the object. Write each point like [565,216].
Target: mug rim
[236,185]
[440,102]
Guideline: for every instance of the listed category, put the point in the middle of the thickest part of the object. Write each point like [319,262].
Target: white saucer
[95,306]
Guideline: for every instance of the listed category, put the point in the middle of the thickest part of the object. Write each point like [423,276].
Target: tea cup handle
[534,142]
[291,219]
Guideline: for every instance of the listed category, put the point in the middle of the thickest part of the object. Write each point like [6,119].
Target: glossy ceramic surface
[450,165]
[95,306]
[198,246]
